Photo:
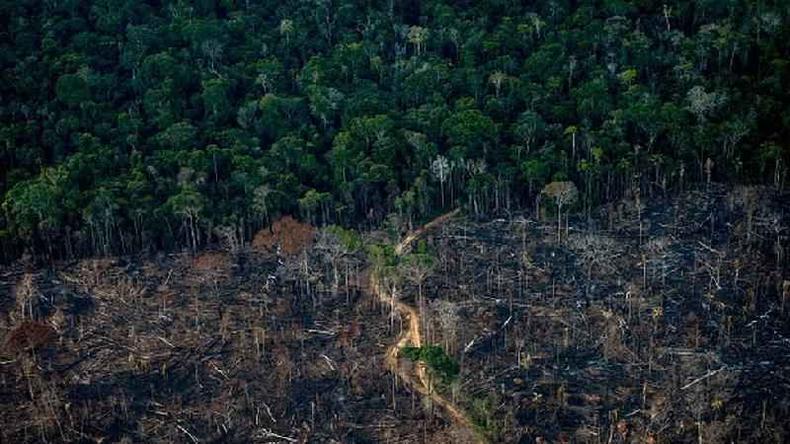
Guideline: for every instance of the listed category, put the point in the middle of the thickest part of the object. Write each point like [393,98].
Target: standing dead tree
[596,252]
[449,320]
[660,258]
[290,239]
[337,244]
[417,267]
[563,194]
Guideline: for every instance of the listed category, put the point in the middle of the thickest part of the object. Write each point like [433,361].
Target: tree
[536,22]
[188,204]
[314,203]
[101,216]
[418,265]
[529,129]
[572,130]
[771,153]
[702,103]
[472,130]
[385,267]
[269,74]
[213,50]
[179,135]
[497,78]
[260,203]
[535,172]
[593,99]
[594,251]
[337,244]
[36,208]
[72,89]
[287,29]
[215,97]
[564,194]
[417,37]
[324,102]
[440,168]
[449,320]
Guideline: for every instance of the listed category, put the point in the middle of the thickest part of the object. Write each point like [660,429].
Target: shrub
[436,359]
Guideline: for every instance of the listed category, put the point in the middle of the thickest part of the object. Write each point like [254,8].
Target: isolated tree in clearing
[564,194]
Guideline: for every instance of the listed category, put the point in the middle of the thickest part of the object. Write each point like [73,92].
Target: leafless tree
[564,194]
[449,319]
[596,252]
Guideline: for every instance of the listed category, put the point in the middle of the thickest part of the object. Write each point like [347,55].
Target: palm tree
[572,130]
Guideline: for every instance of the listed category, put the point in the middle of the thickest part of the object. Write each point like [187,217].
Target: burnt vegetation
[665,322]
[214,347]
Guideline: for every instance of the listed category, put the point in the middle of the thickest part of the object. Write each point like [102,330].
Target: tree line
[128,126]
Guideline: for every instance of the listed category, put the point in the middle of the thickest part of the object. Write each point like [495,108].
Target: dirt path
[412,336]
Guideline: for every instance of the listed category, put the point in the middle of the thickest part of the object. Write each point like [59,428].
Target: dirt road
[412,336]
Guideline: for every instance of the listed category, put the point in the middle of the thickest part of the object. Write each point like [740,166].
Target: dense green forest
[134,125]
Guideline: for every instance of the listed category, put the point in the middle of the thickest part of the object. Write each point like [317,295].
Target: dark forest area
[132,126]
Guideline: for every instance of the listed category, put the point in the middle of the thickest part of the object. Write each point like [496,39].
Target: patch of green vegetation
[437,360]
[382,256]
[349,239]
